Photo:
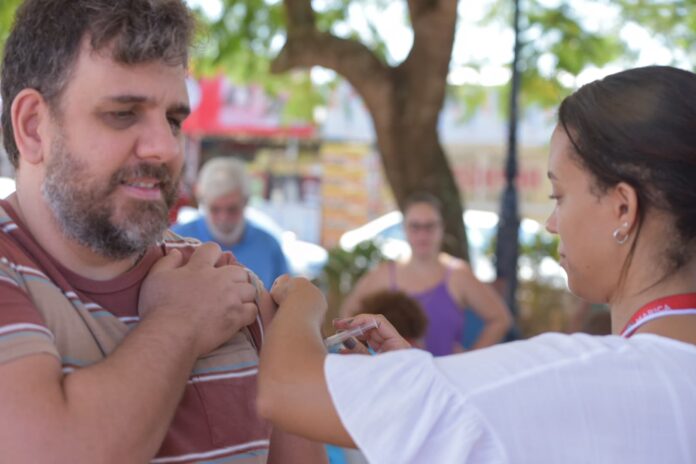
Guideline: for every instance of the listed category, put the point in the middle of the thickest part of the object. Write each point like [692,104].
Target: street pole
[507,245]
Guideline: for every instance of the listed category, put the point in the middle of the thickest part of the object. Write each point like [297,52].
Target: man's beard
[86,209]
[226,237]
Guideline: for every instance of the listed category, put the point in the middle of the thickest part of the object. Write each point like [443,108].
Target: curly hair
[402,311]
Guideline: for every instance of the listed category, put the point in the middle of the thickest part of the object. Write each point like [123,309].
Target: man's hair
[45,41]
[221,176]
[402,311]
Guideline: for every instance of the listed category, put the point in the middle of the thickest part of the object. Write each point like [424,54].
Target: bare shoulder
[372,281]
[379,275]
[458,267]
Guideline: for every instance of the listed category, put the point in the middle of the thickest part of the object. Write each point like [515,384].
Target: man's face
[225,213]
[115,156]
[87,211]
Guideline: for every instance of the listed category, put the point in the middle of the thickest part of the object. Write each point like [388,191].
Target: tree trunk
[404,101]
[414,161]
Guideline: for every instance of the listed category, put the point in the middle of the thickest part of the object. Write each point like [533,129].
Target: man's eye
[175,123]
[120,119]
[122,114]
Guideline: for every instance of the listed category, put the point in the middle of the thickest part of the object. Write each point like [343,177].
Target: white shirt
[552,399]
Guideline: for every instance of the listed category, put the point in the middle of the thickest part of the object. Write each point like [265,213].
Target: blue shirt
[257,249]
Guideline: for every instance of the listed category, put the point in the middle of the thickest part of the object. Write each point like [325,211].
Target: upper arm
[30,388]
[30,380]
[480,296]
[370,282]
[23,330]
[287,448]
[296,397]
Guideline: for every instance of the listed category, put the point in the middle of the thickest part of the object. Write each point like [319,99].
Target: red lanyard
[667,306]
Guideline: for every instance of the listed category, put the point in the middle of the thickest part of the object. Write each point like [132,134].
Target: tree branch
[306,47]
[349,58]
[423,74]
[434,23]
[300,14]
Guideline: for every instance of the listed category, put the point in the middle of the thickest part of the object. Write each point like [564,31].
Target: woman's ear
[625,205]
[29,111]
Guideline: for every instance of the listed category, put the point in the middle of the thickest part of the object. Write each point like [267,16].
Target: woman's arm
[287,448]
[485,302]
[293,392]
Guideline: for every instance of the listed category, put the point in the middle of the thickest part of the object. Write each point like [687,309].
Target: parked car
[481,228]
[304,258]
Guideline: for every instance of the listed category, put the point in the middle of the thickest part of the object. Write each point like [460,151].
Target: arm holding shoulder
[484,301]
[117,410]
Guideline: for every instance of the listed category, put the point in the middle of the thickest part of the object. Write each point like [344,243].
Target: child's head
[402,311]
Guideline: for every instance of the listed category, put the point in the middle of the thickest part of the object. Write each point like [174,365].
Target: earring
[617,234]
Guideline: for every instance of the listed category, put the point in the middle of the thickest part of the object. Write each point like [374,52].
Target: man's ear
[29,112]
[625,205]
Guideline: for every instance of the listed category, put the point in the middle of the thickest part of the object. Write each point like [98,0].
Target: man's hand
[187,309]
[213,301]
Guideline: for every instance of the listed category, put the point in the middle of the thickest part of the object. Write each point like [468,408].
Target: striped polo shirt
[46,308]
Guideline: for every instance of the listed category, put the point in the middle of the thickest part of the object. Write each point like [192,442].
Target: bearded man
[222,191]
[118,341]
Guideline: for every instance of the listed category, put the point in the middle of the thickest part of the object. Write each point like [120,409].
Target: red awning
[227,110]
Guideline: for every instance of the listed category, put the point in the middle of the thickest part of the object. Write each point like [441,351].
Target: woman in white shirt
[622,166]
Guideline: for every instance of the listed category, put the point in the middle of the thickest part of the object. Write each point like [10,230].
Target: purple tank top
[445,316]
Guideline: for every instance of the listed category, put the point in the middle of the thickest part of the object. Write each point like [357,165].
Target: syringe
[334,343]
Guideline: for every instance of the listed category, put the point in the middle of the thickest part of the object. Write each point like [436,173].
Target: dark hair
[47,34]
[404,313]
[639,127]
[423,197]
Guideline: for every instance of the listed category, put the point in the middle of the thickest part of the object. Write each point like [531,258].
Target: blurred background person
[222,192]
[443,285]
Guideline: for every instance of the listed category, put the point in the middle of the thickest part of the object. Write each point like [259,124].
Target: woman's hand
[381,339]
[286,286]
[280,288]
[298,296]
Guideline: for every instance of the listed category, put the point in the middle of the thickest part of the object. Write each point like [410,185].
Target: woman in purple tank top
[443,284]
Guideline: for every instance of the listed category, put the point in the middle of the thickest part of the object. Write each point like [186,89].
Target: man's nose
[159,141]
